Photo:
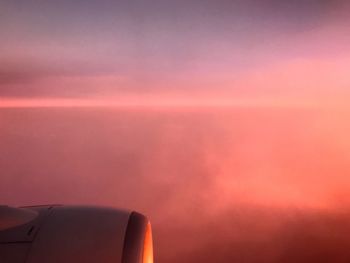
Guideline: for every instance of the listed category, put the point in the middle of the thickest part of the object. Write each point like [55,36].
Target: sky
[136,52]
[224,121]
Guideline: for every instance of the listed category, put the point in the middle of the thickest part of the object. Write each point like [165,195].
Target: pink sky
[254,50]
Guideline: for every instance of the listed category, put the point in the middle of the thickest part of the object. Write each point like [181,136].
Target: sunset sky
[194,51]
[225,121]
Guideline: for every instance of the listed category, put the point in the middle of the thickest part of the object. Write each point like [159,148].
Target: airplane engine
[74,234]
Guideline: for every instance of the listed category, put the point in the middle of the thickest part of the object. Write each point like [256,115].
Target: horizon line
[166,103]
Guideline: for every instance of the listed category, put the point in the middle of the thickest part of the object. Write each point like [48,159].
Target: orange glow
[166,101]
[148,246]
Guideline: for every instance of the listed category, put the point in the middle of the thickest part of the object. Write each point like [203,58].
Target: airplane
[74,234]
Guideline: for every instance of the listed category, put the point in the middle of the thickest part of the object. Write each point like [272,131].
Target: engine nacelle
[74,234]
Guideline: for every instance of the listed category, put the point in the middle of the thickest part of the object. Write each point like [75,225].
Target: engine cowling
[64,234]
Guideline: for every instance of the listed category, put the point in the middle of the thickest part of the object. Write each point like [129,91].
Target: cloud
[258,234]
[247,185]
[24,79]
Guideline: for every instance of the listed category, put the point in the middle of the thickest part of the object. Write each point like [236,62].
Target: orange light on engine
[148,246]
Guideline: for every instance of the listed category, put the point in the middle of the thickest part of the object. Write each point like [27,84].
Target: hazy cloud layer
[248,185]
